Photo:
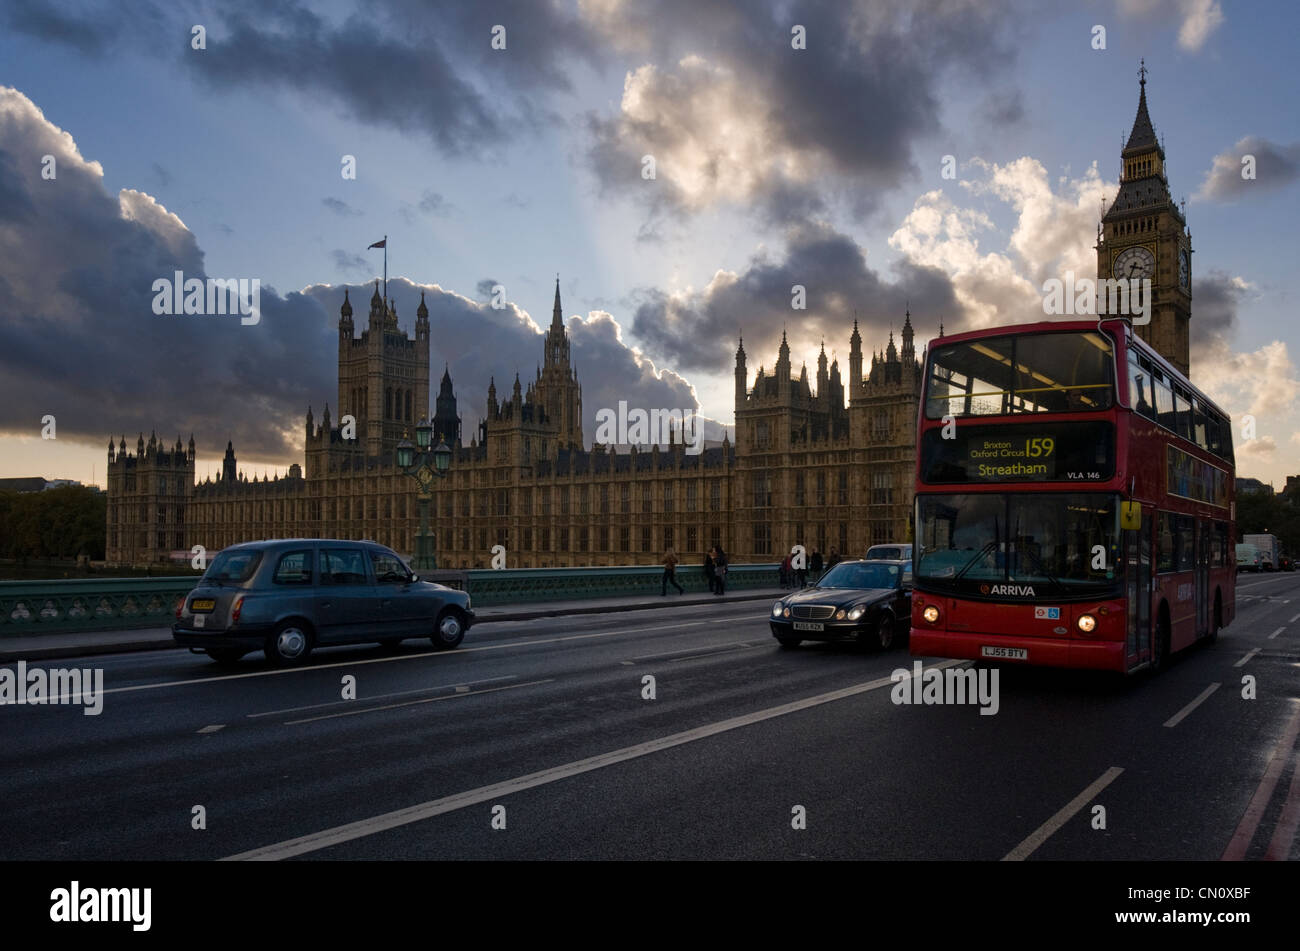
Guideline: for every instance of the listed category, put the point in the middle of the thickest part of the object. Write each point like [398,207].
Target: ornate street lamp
[425,468]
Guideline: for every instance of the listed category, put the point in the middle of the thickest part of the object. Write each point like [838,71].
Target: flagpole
[385,267]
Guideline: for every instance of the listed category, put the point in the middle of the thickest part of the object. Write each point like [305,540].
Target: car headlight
[785,613]
[1087,623]
[931,613]
[776,609]
[857,612]
[839,615]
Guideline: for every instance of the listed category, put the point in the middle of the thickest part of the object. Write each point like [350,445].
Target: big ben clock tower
[1144,235]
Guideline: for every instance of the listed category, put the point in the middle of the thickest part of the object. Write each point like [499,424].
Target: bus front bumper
[1039,651]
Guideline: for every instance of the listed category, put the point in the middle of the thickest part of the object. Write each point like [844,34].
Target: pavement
[85,643]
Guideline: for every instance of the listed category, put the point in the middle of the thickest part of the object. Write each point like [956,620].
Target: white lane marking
[1048,828]
[1294,619]
[380,660]
[1249,654]
[382,696]
[212,729]
[412,703]
[436,807]
[687,650]
[1178,717]
[729,650]
[1276,633]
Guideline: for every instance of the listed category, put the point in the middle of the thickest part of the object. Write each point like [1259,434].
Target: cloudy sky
[213,138]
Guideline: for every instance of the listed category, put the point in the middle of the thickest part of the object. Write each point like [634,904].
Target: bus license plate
[814,626]
[1011,653]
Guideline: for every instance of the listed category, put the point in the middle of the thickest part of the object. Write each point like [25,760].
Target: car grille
[813,612]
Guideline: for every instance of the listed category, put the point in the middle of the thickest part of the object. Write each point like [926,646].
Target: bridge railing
[105,604]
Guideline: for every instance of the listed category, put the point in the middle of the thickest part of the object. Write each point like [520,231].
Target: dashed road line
[1178,717]
[413,703]
[1046,830]
[1249,654]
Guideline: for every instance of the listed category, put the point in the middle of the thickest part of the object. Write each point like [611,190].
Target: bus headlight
[776,609]
[1087,623]
[857,612]
[931,613]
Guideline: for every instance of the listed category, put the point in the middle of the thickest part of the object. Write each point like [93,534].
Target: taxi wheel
[449,630]
[289,644]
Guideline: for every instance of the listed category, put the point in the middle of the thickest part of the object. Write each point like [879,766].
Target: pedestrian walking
[670,573]
[785,575]
[710,571]
[720,569]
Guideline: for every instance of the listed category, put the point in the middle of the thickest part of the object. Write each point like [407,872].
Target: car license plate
[1012,653]
[202,604]
[199,620]
[815,626]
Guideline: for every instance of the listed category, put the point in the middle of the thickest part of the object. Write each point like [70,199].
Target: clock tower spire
[1144,235]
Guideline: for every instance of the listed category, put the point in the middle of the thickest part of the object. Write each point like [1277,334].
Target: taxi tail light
[180,606]
[236,608]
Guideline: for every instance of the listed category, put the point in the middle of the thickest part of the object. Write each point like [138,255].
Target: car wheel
[885,632]
[289,644]
[225,656]
[789,643]
[449,630]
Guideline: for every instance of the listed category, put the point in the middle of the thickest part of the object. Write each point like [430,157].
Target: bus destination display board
[1030,452]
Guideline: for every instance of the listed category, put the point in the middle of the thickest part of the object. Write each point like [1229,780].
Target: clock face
[1134,263]
[1184,268]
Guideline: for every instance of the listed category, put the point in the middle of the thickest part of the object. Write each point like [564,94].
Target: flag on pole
[379,244]
[383,244]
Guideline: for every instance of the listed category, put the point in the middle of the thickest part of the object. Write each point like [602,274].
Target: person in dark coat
[720,569]
[670,573]
[710,574]
[815,564]
[834,558]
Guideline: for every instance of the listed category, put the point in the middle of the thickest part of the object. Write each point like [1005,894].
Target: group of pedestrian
[715,571]
[792,577]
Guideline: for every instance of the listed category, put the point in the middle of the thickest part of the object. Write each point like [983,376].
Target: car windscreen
[850,575]
[232,567]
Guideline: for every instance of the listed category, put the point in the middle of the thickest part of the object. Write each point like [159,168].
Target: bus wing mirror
[1130,516]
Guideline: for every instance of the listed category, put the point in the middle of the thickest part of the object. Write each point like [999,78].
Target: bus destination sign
[1050,452]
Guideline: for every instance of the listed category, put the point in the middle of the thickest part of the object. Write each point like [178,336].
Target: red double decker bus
[1074,501]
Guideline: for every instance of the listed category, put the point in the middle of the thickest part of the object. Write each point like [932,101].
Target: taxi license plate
[1012,653]
[199,620]
[202,604]
[815,626]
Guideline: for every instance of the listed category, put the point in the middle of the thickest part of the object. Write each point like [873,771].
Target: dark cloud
[1275,166]
[1214,315]
[698,331]
[87,30]
[432,203]
[841,116]
[340,207]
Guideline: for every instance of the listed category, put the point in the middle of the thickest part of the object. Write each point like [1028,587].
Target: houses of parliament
[825,461]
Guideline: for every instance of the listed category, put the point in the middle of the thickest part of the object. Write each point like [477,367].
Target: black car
[868,601]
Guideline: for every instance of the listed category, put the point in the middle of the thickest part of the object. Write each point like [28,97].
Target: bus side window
[1165,405]
[1165,552]
[1139,388]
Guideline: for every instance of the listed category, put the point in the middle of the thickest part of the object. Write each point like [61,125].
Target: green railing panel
[107,604]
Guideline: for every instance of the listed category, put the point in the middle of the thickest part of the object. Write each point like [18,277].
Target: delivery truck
[1269,550]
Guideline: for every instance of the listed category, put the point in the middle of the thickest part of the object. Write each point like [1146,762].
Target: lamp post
[424,466]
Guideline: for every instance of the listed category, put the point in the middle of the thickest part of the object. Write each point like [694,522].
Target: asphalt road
[544,727]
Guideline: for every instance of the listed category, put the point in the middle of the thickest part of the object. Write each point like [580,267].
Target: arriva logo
[1019,590]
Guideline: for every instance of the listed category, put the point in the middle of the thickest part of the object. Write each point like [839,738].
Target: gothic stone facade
[805,467]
